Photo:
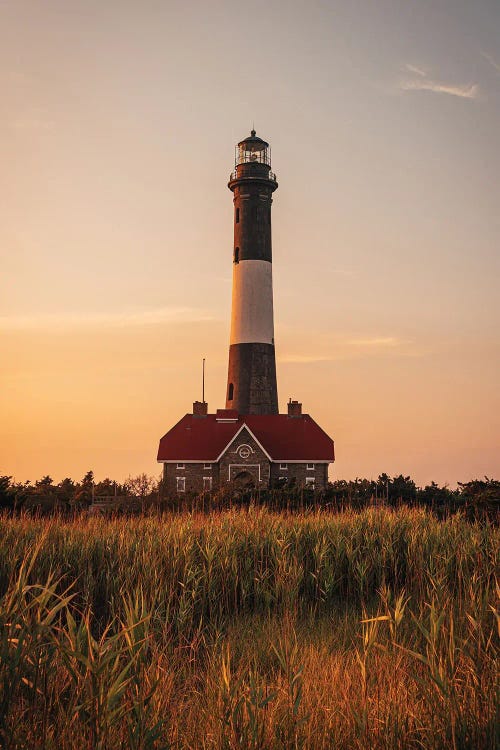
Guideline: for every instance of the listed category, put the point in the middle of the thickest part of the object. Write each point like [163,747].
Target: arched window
[230,392]
[237,215]
[236,254]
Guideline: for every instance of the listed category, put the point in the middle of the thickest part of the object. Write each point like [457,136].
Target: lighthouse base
[251,380]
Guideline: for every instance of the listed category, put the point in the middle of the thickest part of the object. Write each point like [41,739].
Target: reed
[249,629]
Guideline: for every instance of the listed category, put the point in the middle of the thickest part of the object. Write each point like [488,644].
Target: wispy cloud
[381,341]
[491,61]
[31,118]
[420,81]
[414,69]
[355,348]
[70,321]
[305,359]
[343,272]
[32,123]
[465,91]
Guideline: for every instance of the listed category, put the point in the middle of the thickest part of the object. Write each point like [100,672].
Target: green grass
[240,629]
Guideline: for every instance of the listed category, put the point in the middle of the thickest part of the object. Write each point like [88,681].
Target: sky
[118,122]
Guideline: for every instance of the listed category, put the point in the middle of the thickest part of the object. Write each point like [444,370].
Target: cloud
[414,69]
[32,123]
[304,359]
[491,61]
[344,349]
[420,81]
[71,321]
[465,91]
[383,341]
[342,272]
[31,119]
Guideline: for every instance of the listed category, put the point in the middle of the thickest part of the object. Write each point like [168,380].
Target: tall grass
[249,629]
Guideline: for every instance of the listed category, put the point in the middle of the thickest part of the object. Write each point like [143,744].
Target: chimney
[200,408]
[294,408]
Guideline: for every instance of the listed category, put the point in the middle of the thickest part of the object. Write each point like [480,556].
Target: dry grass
[243,629]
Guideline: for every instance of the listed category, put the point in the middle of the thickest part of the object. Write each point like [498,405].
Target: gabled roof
[244,429]
[284,438]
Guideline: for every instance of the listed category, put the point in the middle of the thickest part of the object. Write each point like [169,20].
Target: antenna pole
[203,381]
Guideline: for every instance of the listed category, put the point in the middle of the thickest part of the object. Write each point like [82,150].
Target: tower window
[236,254]
[230,392]
[237,215]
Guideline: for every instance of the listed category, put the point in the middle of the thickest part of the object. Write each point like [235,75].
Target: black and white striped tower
[251,380]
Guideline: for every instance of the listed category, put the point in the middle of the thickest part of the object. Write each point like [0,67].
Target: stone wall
[193,474]
[297,473]
[235,461]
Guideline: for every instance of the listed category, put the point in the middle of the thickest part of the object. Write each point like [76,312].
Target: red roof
[284,438]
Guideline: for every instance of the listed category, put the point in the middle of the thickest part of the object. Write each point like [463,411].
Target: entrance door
[243,481]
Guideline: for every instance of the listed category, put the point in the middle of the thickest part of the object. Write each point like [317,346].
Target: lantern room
[253,150]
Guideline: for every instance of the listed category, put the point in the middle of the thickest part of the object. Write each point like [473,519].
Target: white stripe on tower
[252,305]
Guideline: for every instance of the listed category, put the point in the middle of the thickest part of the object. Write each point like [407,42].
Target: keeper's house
[205,452]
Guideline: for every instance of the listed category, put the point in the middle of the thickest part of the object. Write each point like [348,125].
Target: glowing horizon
[118,133]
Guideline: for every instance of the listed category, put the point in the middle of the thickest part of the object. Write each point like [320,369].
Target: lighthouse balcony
[238,173]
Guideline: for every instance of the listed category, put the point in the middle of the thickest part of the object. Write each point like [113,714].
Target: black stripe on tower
[252,386]
[252,231]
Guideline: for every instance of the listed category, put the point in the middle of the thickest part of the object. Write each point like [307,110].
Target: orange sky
[117,133]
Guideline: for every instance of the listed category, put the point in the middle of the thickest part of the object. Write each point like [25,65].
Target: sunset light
[118,127]
[249,384]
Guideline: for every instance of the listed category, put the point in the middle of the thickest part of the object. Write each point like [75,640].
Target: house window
[230,392]
[310,467]
[283,467]
[207,484]
[236,254]
[180,466]
[310,482]
[181,484]
[207,466]
[237,215]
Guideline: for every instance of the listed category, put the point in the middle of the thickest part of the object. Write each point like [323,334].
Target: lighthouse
[248,445]
[251,380]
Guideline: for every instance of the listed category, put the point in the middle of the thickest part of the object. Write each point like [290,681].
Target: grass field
[248,629]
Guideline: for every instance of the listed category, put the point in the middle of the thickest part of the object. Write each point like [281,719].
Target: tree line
[478,498]
[44,496]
